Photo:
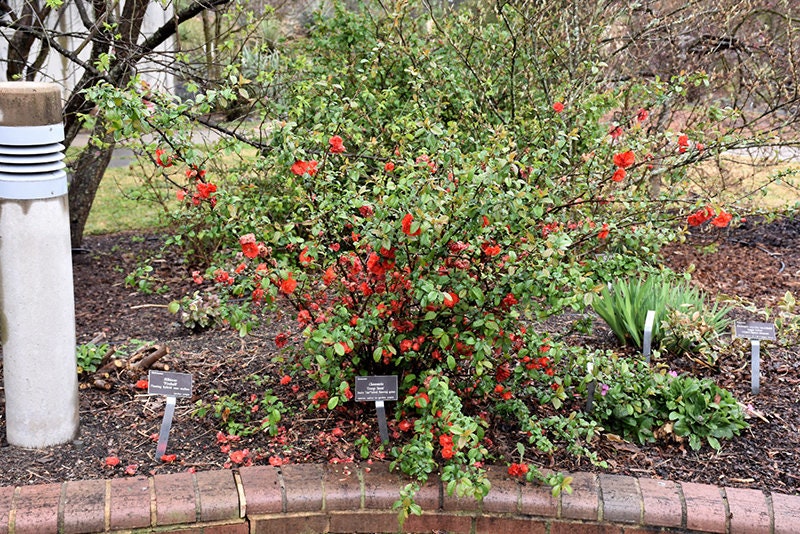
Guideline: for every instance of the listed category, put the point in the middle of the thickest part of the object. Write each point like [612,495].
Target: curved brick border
[316,498]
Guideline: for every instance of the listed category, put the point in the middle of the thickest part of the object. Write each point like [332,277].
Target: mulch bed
[755,262]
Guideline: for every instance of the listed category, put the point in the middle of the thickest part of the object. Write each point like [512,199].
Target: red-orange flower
[603,231]
[389,167]
[304,258]
[337,144]
[558,107]
[304,167]
[722,220]
[204,189]
[289,285]
[490,250]
[699,217]
[683,143]
[112,461]
[619,175]
[406,225]
[249,245]
[517,470]
[624,159]
[163,162]
[450,299]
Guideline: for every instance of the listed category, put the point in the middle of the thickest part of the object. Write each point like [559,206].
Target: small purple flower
[673,374]
[603,389]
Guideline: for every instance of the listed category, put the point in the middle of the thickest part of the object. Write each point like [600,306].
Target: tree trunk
[87,173]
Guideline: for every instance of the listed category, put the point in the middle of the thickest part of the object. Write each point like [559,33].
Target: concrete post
[37,308]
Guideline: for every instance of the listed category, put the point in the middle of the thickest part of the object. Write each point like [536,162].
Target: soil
[753,263]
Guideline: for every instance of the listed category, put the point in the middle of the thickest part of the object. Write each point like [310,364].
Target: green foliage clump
[684,322]
[641,404]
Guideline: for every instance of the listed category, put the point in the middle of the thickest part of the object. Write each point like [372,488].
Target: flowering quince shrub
[415,220]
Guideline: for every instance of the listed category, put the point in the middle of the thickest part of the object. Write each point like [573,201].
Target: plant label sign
[378,389]
[172,385]
[755,332]
[169,384]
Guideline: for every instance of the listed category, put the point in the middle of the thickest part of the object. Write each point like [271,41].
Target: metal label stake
[378,389]
[755,332]
[166,424]
[648,334]
[755,365]
[171,385]
[382,426]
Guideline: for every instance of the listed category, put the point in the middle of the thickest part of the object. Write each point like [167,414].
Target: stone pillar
[37,307]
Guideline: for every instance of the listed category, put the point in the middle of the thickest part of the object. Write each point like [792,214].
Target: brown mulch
[757,263]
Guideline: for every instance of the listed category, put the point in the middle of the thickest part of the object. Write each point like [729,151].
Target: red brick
[454,503]
[643,530]
[302,485]
[749,513]
[231,528]
[786,509]
[262,490]
[342,487]
[364,522]
[290,524]
[36,509]
[6,501]
[622,502]
[563,527]
[432,521]
[130,503]
[219,500]
[382,489]
[503,498]
[536,499]
[85,506]
[705,509]
[583,502]
[176,500]
[509,525]
[662,503]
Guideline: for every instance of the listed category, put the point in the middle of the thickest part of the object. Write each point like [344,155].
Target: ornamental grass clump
[684,321]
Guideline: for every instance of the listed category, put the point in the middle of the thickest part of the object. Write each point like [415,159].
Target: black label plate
[376,388]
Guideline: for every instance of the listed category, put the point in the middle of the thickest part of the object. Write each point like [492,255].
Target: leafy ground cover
[757,263]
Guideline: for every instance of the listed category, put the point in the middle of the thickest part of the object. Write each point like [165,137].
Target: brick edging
[346,498]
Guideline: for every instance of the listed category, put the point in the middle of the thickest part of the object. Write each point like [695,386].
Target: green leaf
[333,402]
